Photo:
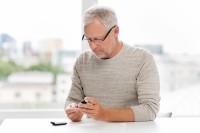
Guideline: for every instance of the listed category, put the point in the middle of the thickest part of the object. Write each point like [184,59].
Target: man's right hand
[73,112]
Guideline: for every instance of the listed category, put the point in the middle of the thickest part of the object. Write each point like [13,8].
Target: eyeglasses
[96,41]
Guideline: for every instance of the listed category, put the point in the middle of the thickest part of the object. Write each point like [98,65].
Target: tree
[47,67]
[6,68]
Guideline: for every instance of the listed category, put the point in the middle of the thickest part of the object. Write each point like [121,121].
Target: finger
[76,116]
[91,100]
[79,116]
[87,111]
[70,110]
[73,105]
[72,114]
[86,106]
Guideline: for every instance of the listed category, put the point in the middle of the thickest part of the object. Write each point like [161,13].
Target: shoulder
[137,52]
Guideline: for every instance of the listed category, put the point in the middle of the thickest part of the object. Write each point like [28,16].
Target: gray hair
[104,14]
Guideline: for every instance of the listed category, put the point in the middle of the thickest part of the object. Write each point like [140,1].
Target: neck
[117,49]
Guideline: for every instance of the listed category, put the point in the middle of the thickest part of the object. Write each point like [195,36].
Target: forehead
[94,29]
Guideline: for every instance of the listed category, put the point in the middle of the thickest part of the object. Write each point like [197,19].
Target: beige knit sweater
[129,79]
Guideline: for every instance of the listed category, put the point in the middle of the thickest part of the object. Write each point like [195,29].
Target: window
[17,95]
[170,30]
[38,96]
[40,40]
[39,43]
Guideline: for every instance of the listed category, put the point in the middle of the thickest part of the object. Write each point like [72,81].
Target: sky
[36,20]
[172,23]
[175,24]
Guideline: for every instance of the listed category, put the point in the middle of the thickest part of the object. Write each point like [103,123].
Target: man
[118,82]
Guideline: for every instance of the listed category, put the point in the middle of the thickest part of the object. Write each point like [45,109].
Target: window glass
[39,42]
[170,30]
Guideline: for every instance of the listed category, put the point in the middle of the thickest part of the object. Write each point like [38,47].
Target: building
[153,48]
[27,87]
[63,85]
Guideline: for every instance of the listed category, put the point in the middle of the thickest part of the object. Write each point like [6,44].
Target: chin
[101,56]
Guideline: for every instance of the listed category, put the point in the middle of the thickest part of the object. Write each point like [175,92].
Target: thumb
[91,100]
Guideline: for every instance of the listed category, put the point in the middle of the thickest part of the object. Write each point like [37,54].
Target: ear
[116,31]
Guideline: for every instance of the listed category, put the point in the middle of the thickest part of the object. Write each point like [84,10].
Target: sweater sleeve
[76,91]
[148,90]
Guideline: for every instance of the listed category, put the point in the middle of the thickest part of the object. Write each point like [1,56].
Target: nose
[92,45]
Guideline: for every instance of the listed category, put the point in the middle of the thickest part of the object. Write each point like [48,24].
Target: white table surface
[87,125]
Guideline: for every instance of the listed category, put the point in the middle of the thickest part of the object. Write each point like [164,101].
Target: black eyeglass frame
[91,40]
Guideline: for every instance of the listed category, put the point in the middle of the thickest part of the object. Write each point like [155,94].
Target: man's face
[101,46]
